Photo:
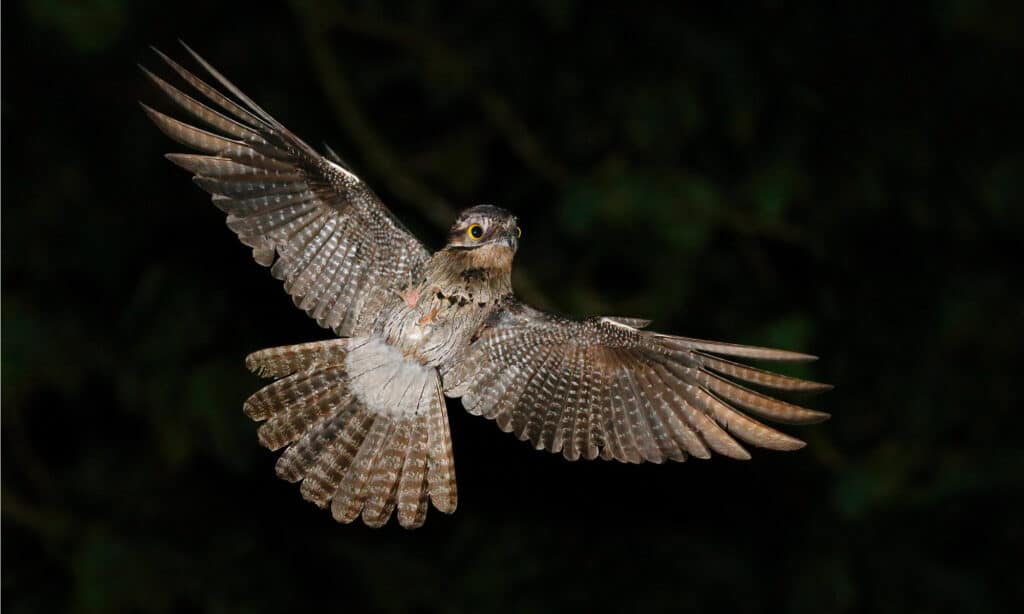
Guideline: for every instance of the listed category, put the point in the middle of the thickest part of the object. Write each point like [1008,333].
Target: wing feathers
[603,387]
[733,349]
[549,403]
[620,393]
[763,405]
[535,397]
[205,114]
[635,412]
[597,410]
[226,168]
[211,93]
[231,88]
[235,188]
[759,376]
[197,138]
[312,262]
[674,411]
[657,415]
[282,198]
[575,427]
[747,429]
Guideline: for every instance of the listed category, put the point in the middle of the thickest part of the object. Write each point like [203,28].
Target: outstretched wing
[604,387]
[339,250]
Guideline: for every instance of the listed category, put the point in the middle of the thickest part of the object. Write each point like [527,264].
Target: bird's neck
[485,272]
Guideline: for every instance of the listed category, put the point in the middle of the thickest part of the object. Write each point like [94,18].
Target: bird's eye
[475,231]
[519,232]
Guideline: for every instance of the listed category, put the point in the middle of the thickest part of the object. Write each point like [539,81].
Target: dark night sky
[842,181]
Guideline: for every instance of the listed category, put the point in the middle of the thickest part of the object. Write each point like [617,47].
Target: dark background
[843,181]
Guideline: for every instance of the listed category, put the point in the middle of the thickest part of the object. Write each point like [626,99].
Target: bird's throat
[485,271]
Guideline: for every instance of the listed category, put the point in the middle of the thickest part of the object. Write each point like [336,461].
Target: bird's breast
[433,324]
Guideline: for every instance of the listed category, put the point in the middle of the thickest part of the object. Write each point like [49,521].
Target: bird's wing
[338,249]
[604,387]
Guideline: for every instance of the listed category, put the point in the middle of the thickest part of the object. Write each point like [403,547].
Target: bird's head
[486,228]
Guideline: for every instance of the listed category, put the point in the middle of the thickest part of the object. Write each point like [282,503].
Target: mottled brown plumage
[362,417]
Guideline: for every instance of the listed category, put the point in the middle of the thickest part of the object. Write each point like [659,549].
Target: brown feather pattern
[361,461]
[325,225]
[362,419]
[600,387]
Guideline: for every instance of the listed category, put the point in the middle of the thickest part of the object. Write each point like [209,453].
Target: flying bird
[362,417]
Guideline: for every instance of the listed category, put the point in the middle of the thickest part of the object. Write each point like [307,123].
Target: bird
[362,418]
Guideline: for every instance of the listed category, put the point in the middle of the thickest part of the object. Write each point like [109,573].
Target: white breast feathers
[386,381]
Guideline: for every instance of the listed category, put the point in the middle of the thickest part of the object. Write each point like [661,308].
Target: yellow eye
[519,232]
[475,232]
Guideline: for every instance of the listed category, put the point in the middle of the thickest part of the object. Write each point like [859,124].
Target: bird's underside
[362,418]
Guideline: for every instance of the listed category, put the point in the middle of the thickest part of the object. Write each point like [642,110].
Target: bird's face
[485,226]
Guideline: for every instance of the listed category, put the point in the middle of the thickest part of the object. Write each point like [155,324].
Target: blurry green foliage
[88,26]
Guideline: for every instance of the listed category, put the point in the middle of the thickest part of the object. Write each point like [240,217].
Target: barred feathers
[363,423]
[366,432]
[602,387]
[322,223]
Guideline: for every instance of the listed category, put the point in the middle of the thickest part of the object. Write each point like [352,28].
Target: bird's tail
[366,429]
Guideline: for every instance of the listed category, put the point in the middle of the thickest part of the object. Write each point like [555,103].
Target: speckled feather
[362,418]
[362,458]
[649,396]
[282,196]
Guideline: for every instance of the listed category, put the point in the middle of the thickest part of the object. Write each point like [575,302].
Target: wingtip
[157,51]
[198,58]
[190,50]
[185,161]
[789,356]
[153,114]
[776,355]
[148,73]
[163,56]
[783,443]
[818,417]
[822,387]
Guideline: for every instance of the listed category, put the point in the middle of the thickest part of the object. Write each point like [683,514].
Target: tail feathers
[352,493]
[327,393]
[285,360]
[383,484]
[300,457]
[441,468]
[412,495]
[363,452]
